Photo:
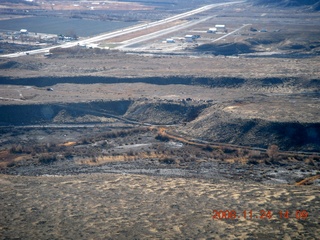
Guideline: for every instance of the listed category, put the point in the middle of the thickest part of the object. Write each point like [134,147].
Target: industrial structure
[220,28]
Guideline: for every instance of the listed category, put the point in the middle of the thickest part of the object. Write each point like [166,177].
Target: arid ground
[116,206]
[214,139]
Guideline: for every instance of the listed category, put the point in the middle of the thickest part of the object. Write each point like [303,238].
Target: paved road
[123,31]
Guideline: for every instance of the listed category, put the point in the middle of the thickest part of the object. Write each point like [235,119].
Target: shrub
[208,148]
[273,152]
[47,158]
[68,155]
[85,141]
[131,153]
[253,161]
[310,162]
[167,160]
[162,138]
[229,151]
[254,154]
[11,164]
[16,149]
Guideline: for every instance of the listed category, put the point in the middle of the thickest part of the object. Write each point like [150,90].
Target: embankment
[217,82]
[16,115]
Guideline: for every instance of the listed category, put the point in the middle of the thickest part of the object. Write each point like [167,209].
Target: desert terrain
[115,206]
[147,133]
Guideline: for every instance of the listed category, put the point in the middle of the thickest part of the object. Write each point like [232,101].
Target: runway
[125,31]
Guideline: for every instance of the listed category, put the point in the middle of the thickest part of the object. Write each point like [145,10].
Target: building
[23,31]
[47,54]
[220,28]
[170,40]
[189,38]
[92,46]
[212,30]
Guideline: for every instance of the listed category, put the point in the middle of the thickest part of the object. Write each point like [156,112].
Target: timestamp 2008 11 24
[262,214]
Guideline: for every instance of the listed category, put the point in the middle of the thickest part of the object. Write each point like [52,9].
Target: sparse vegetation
[253,161]
[204,114]
[47,158]
[16,149]
[162,138]
[167,160]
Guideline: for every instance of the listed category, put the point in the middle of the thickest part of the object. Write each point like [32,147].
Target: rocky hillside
[220,125]
[164,112]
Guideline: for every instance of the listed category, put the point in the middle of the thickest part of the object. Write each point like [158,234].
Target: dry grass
[116,206]
[68,144]
[242,160]
[8,159]
[308,180]
[100,160]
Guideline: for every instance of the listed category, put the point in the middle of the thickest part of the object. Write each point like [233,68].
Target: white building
[92,45]
[189,38]
[220,28]
[212,30]
[170,40]
[23,31]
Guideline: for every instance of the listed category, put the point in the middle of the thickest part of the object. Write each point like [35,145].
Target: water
[57,25]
